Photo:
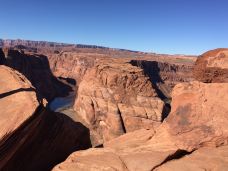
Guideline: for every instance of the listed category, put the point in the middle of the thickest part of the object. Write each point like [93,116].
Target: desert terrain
[74,107]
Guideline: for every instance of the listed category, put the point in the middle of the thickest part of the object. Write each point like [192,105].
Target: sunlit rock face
[212,66]
[31,136]
[195,130]
[115,97]
[192,137]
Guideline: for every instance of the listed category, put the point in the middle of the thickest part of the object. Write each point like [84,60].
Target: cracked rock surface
[194,136]
[115,97]
[198,120]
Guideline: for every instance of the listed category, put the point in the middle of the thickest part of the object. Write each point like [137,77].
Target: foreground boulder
[212,66]
[32,137]
[198,117]
[15,92]
[197,126]
[115,97]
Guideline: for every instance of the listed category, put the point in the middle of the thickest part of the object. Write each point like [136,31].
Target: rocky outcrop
[198,116]
[32,137]
[121,95]
[206,158]
[70,65]
[197,122]
[195,129]
[71,60]
[117,94]
[15,92]
[115,97]
[212,66]
[164,75]
[36,68]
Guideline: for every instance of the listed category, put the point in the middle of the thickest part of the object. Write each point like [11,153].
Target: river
[61,103]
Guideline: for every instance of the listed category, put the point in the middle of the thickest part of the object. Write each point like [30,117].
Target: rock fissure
[175,156]
[121,120]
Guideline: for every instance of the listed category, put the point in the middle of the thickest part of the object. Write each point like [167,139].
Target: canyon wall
[194,136]
[36,68]
[115,97]
[117,92]
[109,109]
[165,75]
[31,136]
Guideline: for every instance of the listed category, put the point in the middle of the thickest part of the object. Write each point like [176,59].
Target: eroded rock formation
[15,92]
[70,65]
[212,66]
[36,68]
[164,75]
[189,127]
[195,129]
[115,97]
[31,136]
[124,101]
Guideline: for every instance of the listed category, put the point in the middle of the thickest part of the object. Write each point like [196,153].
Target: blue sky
[162,26]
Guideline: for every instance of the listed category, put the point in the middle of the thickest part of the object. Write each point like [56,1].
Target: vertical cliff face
[70,65]
[31,136]
[192,137]
[115,97]
[36,68]
[165,76]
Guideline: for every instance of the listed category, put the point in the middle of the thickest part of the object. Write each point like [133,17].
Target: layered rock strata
[194,136]
[115,97]
[36,69]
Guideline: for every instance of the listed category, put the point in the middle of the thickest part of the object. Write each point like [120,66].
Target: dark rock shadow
[43,141]
[15,91]
[68,80]
[152,70]
[2,57]
[37,70]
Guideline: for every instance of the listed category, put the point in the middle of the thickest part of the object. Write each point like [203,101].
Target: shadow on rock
[44,140]
[37,70]
[152,70]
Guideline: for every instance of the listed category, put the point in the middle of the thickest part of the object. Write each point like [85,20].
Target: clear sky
[162,26]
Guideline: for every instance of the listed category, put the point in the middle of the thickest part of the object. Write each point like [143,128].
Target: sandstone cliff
[212,66]
[36,68]
[118,92]
[115,97]
[31,136]
[189,127]
[165,75]
[193,137]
